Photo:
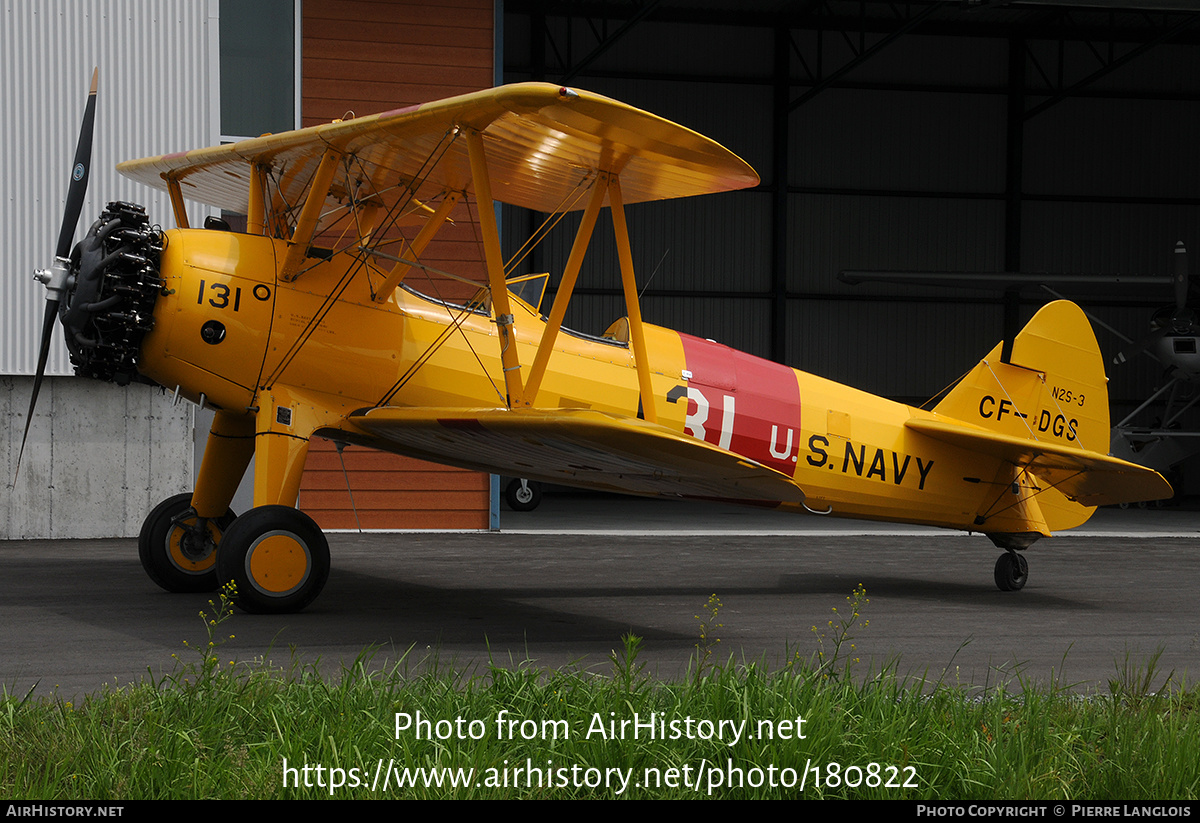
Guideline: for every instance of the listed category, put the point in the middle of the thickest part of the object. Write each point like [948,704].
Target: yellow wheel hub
[278,563]
[192,562]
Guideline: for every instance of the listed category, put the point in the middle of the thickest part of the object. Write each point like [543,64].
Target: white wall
[98,456]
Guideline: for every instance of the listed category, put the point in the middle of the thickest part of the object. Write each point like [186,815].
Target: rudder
[1050,388]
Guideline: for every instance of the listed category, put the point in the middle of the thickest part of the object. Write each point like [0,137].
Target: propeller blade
[55,278]
[1141,346]
[1179,278]
[79,173]
[47,332]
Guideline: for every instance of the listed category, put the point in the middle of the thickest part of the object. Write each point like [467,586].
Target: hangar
[995,137]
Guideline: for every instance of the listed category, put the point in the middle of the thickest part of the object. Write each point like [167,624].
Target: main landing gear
[276,556]
[178,549]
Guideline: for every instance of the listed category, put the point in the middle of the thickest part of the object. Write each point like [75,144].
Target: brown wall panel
[389,491]
[368,56]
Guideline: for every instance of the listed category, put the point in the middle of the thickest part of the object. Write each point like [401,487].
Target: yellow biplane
[307,323]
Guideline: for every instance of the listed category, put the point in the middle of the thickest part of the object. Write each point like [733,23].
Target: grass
[222,729]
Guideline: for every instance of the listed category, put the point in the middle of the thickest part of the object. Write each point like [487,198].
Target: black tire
[1012,570]
[176,557]
[277,557]
[523,499]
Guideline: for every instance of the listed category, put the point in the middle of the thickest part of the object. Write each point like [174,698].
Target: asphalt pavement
[561,585]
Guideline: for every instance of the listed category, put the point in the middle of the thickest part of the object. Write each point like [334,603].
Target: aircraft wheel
[1012,570]
[278,558]
[178,552]
[523,495]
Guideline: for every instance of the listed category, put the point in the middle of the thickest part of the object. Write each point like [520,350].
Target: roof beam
[1113,65]
[644,11]
[863,57]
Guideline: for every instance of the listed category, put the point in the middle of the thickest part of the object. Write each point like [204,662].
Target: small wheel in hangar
[178,549]
[523,495]
[1012,570]
[277,557]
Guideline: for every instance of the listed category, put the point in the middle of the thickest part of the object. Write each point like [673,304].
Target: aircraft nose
[114,283]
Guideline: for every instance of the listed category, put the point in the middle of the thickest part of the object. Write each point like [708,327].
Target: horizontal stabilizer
[1087,477]
[578,447]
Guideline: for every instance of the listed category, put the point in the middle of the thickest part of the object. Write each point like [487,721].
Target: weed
[840,636]
[627,669]
[251,730]
[209,665]
[1133,687]
[708,637]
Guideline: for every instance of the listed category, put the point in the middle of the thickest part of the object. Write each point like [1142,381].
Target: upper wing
[578,447]
[542,143]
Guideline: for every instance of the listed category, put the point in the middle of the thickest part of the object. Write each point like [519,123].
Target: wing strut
[417,246]
[493,255]
[608,184]
[566,286]
[177,204]
[629,283]
[256,212]
[306,225]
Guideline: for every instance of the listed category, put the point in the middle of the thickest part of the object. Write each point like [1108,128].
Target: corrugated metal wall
[157,73]
[99,456]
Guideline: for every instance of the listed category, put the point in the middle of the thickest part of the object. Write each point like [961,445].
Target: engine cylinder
[114,282]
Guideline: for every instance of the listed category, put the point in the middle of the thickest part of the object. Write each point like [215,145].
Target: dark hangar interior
[974,138]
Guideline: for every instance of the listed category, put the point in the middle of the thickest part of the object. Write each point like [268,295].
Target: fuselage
[226,328]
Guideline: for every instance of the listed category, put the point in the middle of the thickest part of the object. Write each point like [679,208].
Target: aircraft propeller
[55,278]
[1180,321]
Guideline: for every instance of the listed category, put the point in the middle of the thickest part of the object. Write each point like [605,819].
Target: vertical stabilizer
[1052,390]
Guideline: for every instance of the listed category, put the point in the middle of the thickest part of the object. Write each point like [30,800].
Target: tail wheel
[178,549]
[523,495]
[1012,570]
[277,557]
